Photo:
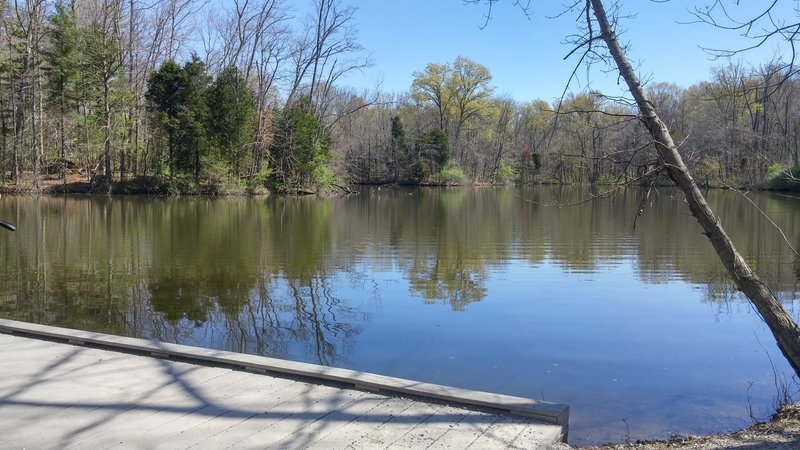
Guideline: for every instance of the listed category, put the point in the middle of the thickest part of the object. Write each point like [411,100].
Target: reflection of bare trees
[449,280]
[285,318]
[279,318]
[234,303]
[287,277]
[199,272]
[321,319]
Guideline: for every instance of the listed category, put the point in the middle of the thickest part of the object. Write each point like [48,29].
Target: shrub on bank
[781,177]
[450,174]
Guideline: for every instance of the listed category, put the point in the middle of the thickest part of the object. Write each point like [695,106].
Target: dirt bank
[781,433]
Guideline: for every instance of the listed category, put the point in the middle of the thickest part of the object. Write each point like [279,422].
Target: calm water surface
[502,290]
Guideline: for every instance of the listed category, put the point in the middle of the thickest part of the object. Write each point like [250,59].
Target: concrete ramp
[63,388]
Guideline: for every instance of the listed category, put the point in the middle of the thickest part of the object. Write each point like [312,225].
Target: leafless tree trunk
[255,40]
[326,52]
[18,100]
[502,134]
[103,57]
[133,116]
[781,323]
[30,18]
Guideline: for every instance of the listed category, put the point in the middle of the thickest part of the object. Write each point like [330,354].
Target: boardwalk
[55,395]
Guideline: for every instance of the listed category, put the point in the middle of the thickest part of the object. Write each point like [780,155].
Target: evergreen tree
[434,149]
[195,114]
[397,148]
[232,116]
[62,58]
[301,147]
[178,99]
[165,95]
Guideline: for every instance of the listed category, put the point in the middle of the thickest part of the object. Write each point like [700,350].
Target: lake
[518,291]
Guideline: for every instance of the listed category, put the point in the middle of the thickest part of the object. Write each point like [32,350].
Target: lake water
[511,291]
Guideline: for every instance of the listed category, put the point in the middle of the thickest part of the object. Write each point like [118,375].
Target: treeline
[740,128]
[247,95]
[207,96]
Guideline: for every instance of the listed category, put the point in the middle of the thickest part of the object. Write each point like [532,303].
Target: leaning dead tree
[779,321]
[599,31]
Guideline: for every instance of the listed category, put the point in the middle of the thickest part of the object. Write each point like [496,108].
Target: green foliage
[429,88]
[262,178]
[781,177]
[776,170]
[420,171]
[301,146]
[232,116]
[100,59]
[469,87]
[439,147]
[323,176]
[398,135]
[398,150]
[217,179]
[182,184]
[198,117]
[177,97]
[536,159]
[165,94]
[433,149]
[607,178]
[62,57]
[194,116]
[505,173]
[450,174]
[456,91]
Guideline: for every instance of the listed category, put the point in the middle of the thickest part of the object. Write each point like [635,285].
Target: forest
[183,96]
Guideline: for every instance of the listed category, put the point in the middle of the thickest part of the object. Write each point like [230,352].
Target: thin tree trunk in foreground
[780,322]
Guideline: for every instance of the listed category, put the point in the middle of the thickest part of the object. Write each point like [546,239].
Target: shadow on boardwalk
[60,396]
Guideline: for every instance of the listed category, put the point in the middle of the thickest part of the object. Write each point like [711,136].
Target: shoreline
[77,184]
[781,432]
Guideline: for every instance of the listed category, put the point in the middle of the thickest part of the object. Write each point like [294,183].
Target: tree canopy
[108,89]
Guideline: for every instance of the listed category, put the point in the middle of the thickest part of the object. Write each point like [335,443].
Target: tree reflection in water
[492,289]
[291,277]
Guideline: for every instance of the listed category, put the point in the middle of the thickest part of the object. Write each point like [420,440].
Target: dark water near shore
[502,290]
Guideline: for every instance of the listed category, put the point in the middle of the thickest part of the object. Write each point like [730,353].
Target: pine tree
[165,95]
[194,117]
[232,117]
[62,60]
[302,146]
[397,148]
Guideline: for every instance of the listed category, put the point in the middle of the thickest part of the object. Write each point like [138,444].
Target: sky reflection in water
[490,289]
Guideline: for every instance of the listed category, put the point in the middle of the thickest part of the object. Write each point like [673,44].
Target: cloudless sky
[525,56]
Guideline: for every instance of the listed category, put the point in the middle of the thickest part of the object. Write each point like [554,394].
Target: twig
[347,190]
[785,239]
[592,197]
[644,200]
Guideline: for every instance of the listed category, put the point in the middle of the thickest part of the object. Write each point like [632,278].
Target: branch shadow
[79,396]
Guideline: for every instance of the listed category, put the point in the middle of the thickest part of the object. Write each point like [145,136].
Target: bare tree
[780,322]
[255,39]
[326,51]
[29,21]
[506,109]
[769,24]
[102,48]
[599,28]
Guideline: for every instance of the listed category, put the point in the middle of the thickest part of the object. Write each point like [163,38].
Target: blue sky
[526,56]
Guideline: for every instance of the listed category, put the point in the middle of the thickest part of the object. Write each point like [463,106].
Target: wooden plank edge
[554,413]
